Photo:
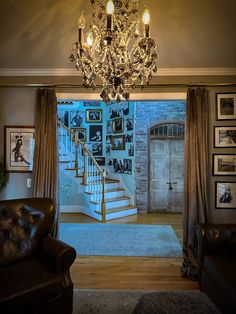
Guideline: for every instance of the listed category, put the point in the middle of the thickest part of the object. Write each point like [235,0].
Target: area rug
[121,239]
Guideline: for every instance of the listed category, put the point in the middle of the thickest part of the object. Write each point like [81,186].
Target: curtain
[196,171]
[45,167]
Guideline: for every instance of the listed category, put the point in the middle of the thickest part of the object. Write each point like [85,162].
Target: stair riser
[108,186]
[123,213]
[115,204]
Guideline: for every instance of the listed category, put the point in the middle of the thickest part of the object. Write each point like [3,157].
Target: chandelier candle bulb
[110,11]
[81,26]
[146,21]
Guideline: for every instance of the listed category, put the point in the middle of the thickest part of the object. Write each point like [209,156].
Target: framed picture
[109,127]
[225,195]
[224,165]
[97,149]
[129,138]
[62,116]
[92,103]
[117,125]
[95,133]
[118,165]
[76,119]
[131,150]
[225,136]
[100,161]
[226,106]
[118,142]
[129,124]
[81,133]
[119,110]
[128,166]
[94,115]
[19,148]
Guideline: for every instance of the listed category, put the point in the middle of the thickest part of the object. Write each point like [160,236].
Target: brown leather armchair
[34,267]
[217,264]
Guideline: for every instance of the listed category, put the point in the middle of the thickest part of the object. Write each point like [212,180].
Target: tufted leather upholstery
[217,264]
[34,268]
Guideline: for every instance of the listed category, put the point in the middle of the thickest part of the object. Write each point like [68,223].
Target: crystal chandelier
[118,48]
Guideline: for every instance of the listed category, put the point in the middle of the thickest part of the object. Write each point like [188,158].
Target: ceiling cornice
[160,72]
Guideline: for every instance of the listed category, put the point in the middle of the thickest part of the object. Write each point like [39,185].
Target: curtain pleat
[45,168]
[196,171]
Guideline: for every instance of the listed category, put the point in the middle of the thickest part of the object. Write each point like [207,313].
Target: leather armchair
[217,264]
[34,267]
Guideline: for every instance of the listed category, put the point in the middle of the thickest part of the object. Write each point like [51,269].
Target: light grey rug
[121,239]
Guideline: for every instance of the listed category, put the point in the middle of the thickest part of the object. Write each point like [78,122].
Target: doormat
[121,239]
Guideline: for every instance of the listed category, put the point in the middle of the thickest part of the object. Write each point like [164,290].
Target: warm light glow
[81,21]
[110,7]
[90,39]
[146,17]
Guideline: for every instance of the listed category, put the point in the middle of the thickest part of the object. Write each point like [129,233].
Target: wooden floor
[141,273]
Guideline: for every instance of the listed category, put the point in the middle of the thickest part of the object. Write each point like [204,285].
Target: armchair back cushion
[23,223]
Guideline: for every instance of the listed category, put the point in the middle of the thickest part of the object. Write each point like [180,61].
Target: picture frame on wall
[224,164]
[226,106]
[19,148]
[62,116]
[76,119]
[94,115]
[118,142]
[225,193]
[100,161]
[81,133]
[225,136]
[95,133]
[118,125]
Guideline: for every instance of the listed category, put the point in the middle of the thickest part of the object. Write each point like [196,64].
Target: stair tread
[109,190]
[114,199]
[118,209]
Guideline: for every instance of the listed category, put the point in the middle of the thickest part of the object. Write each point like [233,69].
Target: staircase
[105,198]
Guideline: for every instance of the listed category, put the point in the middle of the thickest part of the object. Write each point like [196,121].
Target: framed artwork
[95,133]
[117,125]
[128,166]
[92,103]
[76,119]
[100,161]
[225,195]
[118,165]
[119,110]
[108,139]
[129,124]
[94,115]
[19,148]
[131,150]
[118,142]
[109,127]
[225,136]
[81,133]
[108,150]
[97,149]
[129,138]
[226,106]
[62,116]
[224,165]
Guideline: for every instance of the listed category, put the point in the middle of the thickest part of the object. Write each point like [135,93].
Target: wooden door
[166,175]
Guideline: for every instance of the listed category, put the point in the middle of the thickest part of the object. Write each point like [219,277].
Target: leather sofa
[217,264]
[34,267]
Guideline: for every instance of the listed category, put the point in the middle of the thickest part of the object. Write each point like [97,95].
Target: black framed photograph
[109,127]
[100,161]
[129,124]
[97,149]
[129,138]
[117,125]
[225,195]
[76,119]
[128,166]
[131,150]
[108,139]
[226,106]
[118,165]
[224,164]
[95,133]
[118,142]
[119,110]
[108,150]
[81,133]
[63,117]
[225,136]
[94,115]
[19,148]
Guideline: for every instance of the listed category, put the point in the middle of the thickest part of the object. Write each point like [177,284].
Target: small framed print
[94,115]
[225,136]
[100,161]
[81,133]
[19,148]
[226,106]
[225,195]
[118,142]
[224,165]
[117,125]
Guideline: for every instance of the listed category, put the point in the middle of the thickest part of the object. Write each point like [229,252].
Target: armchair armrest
[61,255]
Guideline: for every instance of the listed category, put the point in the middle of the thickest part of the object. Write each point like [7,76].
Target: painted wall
[17,108]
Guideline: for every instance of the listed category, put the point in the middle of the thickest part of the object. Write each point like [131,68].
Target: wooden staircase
[106,198]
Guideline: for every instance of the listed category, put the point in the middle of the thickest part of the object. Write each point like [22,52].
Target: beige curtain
[45,168]
[196,171]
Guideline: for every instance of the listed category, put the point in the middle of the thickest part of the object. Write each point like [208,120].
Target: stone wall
[147,115]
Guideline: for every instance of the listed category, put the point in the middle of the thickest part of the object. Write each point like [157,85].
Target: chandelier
[118,49]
